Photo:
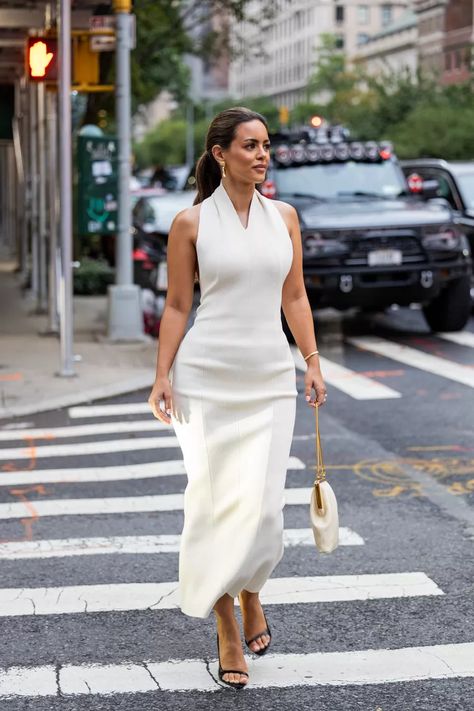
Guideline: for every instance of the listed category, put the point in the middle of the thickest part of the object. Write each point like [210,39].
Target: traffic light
[42,59]
[284,115]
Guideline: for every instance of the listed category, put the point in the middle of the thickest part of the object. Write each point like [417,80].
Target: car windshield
[466,186]
[341,180]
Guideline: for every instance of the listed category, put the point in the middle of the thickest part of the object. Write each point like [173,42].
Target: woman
[228,386]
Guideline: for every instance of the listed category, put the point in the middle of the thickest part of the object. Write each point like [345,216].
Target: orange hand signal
[39,59]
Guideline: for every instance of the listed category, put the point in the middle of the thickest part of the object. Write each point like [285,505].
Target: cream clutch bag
[323,505]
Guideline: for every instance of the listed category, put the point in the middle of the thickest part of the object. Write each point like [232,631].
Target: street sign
[102,32]
[98,185]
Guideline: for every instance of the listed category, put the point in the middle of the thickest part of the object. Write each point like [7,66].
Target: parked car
[455,181]
[368,241]
[152,217]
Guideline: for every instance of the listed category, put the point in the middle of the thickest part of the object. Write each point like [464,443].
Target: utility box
[97,185]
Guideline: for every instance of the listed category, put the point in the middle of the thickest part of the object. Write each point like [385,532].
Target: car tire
[451,309]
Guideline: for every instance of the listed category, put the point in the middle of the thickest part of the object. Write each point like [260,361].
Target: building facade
[278,58]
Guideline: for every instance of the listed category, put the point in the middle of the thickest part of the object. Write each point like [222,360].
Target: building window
[340,41]
[339,13]
[387,14]
[362,37]
[363,14]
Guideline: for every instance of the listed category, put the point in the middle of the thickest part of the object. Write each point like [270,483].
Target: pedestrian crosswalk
[127,433]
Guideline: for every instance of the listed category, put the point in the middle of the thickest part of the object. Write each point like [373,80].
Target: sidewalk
[29,361]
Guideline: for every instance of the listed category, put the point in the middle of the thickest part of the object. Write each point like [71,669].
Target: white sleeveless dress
[233,405]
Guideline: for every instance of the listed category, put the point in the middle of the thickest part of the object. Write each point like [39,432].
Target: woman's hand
[314,379]
[161,391]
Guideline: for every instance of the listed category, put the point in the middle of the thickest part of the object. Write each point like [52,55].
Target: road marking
[171,467]
[85,448]
[416,359]
[348,381]
[93,429]
[360,667]
[122,408]
[165,596]
[67,547]
[116,504]
[462,338]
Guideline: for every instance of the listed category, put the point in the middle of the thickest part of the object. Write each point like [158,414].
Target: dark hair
[220,132]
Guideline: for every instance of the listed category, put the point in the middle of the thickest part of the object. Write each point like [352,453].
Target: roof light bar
[298,153]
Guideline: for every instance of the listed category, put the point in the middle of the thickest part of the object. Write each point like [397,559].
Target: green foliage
[421,116]
[92,277]
[166,142]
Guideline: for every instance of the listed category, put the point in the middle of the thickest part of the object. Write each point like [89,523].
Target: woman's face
[247,157]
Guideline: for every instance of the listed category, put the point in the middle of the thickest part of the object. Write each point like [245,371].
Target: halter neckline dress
[233,404]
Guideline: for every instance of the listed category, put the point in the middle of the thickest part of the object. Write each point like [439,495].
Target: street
[91,511]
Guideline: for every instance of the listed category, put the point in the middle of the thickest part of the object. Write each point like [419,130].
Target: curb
[97,393]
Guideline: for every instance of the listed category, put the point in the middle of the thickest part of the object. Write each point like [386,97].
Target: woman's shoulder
[286,210]
[187,221]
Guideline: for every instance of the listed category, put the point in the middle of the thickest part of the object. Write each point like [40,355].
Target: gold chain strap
[320,470]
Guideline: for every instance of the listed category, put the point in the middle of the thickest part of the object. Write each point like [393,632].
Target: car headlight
[441,237]
[316,244]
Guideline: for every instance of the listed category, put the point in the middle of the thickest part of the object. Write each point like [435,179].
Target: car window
[445,190]
[149,212]
[466,186]
[331,180]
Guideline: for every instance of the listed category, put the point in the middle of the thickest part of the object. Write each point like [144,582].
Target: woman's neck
[241,194]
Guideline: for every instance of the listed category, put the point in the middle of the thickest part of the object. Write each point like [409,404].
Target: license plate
[384,257]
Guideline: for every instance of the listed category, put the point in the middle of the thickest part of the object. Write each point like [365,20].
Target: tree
[166,31]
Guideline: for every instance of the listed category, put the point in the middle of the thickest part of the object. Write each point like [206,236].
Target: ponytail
[221,133]
[208,176]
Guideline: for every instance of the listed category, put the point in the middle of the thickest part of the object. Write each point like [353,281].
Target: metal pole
[42,301]
[190,133]
[53,319]
[125,313]
[34,195]
[65,190]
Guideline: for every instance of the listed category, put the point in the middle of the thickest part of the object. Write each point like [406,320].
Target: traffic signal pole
[65,191]
[125,313]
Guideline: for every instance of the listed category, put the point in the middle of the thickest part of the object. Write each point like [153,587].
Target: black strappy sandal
[266,632]
[221,672]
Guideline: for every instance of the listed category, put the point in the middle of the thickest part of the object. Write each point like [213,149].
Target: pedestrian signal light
[41,59]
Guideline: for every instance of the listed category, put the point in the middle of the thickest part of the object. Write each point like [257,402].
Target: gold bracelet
[311,354]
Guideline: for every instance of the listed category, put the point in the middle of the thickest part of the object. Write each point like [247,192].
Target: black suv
[368,241]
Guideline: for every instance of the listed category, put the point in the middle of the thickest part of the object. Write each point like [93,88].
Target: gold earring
[223,173]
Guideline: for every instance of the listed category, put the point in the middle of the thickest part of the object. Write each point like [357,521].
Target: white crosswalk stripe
[166,543]
[87,448]
[164,596]
[172,467]
[461,338]
[117,505]
[417,359]
[120,408]
[359,667]
[96,428]
[348,381]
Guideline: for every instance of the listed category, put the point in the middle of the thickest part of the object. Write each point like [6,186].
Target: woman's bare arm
[182,262]
[297,309]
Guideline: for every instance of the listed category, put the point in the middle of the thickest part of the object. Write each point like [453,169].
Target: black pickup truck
[368,241]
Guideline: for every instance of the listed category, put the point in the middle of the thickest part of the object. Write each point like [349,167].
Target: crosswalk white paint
[85,448]
[120,408]
[90,430]
[416,359]
[461,338]
[116,505]
[165,543]
[171,467]
[165,596]
[348,381]
[360,667]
